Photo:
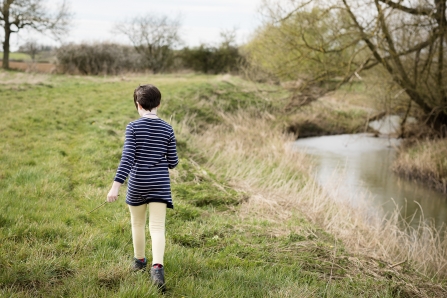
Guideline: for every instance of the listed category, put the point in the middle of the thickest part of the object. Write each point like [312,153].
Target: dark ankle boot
[138,264]
[158,275]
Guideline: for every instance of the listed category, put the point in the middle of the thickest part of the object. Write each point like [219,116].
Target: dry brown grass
[426,161]
[17,78]
[260,160]
[32,67]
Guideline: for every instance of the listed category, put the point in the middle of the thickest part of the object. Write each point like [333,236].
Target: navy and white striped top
[149,150]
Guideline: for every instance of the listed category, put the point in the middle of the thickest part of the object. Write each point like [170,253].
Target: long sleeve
[171,155]
[128,156]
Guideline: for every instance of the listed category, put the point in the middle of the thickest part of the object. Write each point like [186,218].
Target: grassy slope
[61,141]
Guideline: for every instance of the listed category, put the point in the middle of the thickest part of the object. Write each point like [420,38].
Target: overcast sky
[202,20]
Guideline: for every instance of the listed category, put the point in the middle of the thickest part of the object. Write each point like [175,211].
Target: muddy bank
[425,161]
[315,128]
[380,124]
[324,117]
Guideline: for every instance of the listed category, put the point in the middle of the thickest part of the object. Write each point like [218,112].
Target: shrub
[98,58]
[210,59]
[223,58]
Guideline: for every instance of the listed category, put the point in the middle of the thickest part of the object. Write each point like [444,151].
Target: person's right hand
[112,196]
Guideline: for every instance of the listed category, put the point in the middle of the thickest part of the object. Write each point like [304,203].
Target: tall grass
[425,160]
[258,158]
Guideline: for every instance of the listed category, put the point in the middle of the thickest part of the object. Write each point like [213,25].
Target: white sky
[201,20]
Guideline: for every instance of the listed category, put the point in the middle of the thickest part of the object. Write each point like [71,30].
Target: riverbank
[248,221]
[426,161]
[422,158]
[345,111]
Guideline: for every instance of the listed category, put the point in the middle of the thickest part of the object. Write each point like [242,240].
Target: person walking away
[149,151]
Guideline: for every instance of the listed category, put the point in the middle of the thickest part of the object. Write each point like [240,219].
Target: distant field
[42,57]
[17,56]
[22,61]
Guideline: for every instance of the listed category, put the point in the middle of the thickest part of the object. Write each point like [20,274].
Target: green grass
[43,57]
[61,141]
[17,56]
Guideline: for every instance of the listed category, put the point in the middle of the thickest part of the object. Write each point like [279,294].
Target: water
[389,124]
[360,164]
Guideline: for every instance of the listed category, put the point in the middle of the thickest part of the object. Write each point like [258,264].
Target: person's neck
[149,114]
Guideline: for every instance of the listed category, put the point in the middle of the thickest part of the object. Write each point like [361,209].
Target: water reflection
[362,164]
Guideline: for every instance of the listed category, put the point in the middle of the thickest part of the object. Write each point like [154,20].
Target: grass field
[17,56]
[61,141]
[40,56]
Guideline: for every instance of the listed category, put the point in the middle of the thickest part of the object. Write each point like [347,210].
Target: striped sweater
[149,150]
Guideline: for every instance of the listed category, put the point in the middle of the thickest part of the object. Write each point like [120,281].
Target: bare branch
[421,11]
[153,37]
[392,51]
[366,39]
[294,11]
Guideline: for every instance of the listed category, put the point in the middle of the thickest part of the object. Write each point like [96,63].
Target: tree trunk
[5,64]
[438,121]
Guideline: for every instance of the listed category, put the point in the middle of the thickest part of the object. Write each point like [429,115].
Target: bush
[209,59]
[98,58]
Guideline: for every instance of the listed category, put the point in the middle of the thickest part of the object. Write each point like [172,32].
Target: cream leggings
[157,217]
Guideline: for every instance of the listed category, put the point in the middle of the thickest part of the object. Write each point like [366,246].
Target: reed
[260,159]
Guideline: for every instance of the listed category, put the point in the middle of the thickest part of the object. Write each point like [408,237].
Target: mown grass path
[61,140]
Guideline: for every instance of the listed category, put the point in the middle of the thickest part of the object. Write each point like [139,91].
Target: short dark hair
[148,96]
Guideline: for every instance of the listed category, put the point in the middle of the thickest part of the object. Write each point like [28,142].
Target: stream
[360,166]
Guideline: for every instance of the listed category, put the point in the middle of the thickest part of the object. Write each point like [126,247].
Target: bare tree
[153,37]
[19,14]
[407,38]
[31,47]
